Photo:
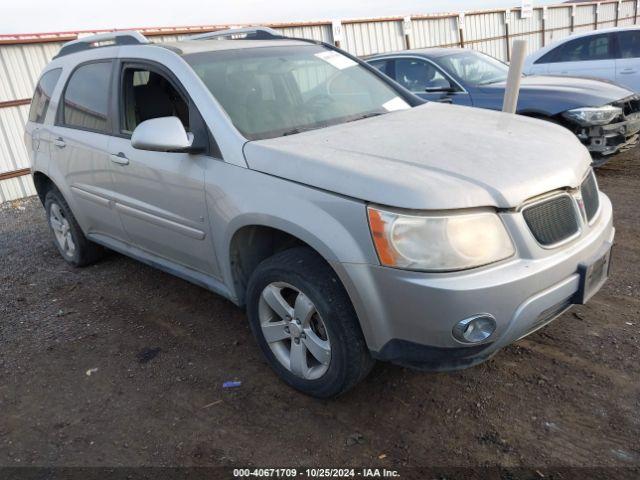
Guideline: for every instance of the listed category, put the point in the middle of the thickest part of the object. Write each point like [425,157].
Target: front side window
[594,47]
[147,94]
[273,91]
[475,68]
[629,44]
[42,95]
[419,76]
[381,65]
[86,98]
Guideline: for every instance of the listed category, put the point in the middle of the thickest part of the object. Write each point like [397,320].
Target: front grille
[553,220]
[590,198]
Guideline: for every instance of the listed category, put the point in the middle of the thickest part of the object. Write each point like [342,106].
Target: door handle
[59,142]
[445,100]
[627,71]
[119,158]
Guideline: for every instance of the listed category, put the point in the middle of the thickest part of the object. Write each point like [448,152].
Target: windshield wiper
[293,131]
[366,115]
[296,130]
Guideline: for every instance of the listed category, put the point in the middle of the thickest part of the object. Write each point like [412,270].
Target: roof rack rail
[102,40]
[249,33]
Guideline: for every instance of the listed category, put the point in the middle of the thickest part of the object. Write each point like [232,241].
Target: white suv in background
[612,54]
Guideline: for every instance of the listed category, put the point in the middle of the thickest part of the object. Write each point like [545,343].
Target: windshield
[475,68]
[273,91]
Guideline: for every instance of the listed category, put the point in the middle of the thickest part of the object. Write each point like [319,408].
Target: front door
[160,195]
[427,81]
[591,56]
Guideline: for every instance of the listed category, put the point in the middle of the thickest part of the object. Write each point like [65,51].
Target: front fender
[335,226]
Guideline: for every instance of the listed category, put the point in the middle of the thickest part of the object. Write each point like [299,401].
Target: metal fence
[22,57]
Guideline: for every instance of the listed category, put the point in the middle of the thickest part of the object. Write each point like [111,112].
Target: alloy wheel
[294,330]
[61,230]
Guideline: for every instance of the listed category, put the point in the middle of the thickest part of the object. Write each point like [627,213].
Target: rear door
[628,61]
[160,195]
[80,140]
[590,56]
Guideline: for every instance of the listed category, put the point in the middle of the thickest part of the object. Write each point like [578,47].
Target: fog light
[474,329]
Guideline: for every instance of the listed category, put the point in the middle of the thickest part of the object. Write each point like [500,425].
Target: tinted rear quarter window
[629,42]
[594,47]
[42,95]
[86,97]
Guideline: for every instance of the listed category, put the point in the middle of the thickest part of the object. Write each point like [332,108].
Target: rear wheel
[68,238]
[305,324]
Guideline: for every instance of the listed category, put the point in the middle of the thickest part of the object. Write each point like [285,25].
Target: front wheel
[305,324]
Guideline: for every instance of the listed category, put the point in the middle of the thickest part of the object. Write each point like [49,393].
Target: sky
[34,16]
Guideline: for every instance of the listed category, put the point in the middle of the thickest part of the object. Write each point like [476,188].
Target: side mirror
[164,134]
[440,85]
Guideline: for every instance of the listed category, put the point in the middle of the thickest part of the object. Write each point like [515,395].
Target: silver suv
[351,220]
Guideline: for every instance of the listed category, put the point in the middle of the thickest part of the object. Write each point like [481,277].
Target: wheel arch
[254,241]
[43,184]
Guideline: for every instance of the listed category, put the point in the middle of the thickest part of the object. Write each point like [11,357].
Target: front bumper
[606,140]
[407,317]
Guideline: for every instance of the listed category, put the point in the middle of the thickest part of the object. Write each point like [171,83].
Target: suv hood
[559,94]
[430,157]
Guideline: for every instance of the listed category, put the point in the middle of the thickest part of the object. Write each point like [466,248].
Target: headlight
[593,115]
[439,242]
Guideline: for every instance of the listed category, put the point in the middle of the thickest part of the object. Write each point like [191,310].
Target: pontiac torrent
[352,220]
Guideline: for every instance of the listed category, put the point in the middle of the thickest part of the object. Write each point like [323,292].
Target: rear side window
[42,95]
[594,47]
[629,42]
[86,98]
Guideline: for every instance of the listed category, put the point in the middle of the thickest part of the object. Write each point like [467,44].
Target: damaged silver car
[351,220]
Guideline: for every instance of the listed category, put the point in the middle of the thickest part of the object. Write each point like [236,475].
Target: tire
[307,283]
[68,238]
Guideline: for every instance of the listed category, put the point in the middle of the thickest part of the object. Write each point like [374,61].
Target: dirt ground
[119,364]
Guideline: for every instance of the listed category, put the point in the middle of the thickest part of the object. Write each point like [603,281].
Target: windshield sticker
[335,59]
[395,103]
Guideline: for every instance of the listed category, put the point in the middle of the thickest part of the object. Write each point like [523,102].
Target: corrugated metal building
[22,57]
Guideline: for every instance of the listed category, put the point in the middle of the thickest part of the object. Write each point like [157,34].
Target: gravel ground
[119,364]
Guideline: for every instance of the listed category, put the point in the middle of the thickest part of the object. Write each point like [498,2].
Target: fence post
[461,28]
[544,24]
[406,29]
[573,17]
[597,15]
[635,13]
[507,18]
[336,32]
[618,5]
